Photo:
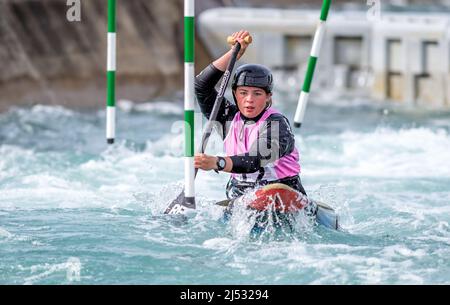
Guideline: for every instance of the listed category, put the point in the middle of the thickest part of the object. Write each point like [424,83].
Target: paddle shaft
[179,204]
[219,100]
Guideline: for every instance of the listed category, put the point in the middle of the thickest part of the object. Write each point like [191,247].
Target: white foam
[401,251]
[169,145]
[5,234]
[222,244]
[417,152]
[411,278]
[153,107]
[50,110]
[71,267]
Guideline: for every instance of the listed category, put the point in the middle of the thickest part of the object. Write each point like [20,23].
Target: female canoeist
[259,144]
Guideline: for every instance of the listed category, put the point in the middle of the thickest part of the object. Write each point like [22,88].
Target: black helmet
[253,75]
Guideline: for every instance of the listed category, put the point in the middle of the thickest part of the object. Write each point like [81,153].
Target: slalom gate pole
[189,99]
[111,74]
[180,205]
[314,55]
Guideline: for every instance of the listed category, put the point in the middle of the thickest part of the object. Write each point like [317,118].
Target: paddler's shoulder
[279,117]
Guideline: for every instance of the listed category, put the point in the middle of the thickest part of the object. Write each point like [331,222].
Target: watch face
[222,163]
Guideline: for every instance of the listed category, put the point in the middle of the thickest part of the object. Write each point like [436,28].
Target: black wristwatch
[221,163]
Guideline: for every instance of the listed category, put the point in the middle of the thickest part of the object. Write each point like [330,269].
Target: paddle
[225,202]
[179,205]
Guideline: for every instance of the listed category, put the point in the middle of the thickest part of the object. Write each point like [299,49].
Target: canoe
[285,202]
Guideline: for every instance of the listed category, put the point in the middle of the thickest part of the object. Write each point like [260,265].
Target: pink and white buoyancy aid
[287,166]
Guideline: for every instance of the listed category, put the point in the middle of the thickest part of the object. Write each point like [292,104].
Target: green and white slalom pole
[111,74]
[189,98]
[314,55]
[180,204]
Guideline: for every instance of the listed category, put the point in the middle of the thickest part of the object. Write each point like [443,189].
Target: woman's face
[251,100]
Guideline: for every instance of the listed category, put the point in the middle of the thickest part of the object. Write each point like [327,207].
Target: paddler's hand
[205,162]
[239,36]
[222,62]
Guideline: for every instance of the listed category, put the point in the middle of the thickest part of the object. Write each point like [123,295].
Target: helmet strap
[269,102]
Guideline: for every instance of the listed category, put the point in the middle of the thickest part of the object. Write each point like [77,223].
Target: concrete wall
[402,57]
[412,66]
[47,59]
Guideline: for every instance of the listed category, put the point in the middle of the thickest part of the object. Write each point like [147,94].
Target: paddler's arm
[274,142]
[207,162]
[233,164]
[206,81]
[206,94]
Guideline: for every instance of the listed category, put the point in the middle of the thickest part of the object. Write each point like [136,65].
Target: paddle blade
[224,203]
[180,205]
[326,216]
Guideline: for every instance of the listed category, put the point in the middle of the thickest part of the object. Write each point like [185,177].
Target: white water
[65,195]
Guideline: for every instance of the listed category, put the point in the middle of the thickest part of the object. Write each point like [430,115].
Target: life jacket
[241,137]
